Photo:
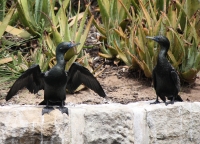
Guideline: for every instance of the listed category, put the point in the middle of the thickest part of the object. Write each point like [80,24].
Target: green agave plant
[12,63]
[65,28]
[52,28]
[6,20]
[4,58]
[180,30]
[2,9]
[31,15]
[113,15]
[56,28]
[150,18]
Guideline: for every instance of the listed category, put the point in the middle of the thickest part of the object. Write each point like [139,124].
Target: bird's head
[162,40]
[65,46]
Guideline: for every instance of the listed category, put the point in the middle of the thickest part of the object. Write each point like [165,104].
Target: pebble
[107,66]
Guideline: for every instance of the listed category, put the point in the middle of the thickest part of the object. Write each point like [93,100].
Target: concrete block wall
[138,123]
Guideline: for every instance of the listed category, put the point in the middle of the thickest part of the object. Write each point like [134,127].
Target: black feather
[55,81]
[31,79]
[165,78]
[78,75]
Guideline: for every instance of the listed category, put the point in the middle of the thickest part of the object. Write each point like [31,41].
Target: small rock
[96,65]
[119,76]
[107,66]
[3,94]
[96,58]
[109,90]
[115,68]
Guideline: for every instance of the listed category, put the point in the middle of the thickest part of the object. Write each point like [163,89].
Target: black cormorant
[56,80]
[165,78]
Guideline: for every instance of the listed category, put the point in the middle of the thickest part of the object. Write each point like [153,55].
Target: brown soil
[120,86]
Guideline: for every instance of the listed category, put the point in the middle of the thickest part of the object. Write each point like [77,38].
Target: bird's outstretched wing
[78,75]
[175,79]
[31,79]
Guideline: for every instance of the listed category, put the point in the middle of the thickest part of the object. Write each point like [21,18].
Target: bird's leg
[166,103]
[47,109]
[171,102]
[62,108]
[157,101]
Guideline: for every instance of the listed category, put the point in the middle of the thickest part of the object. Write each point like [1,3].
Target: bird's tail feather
[42,103]
[57,103]
[178,98]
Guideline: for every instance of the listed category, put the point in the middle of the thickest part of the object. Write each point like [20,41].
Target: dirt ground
[120,85]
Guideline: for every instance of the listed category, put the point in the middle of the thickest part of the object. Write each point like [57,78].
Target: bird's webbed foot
[169,102]
[63,110]
[47,110]
[156,102]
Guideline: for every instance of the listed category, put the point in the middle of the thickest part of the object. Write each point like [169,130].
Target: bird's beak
[149,37]
[73,45]
[153,38]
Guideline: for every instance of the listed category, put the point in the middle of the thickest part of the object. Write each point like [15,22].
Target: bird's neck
[163,51]
[60,61]
[162,55]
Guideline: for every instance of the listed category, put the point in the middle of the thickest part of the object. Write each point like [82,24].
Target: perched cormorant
[56,80]
[165,78]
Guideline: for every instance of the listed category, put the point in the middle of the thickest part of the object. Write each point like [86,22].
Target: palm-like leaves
[151,17]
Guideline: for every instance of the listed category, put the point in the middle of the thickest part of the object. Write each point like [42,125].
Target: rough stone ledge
[138,123]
